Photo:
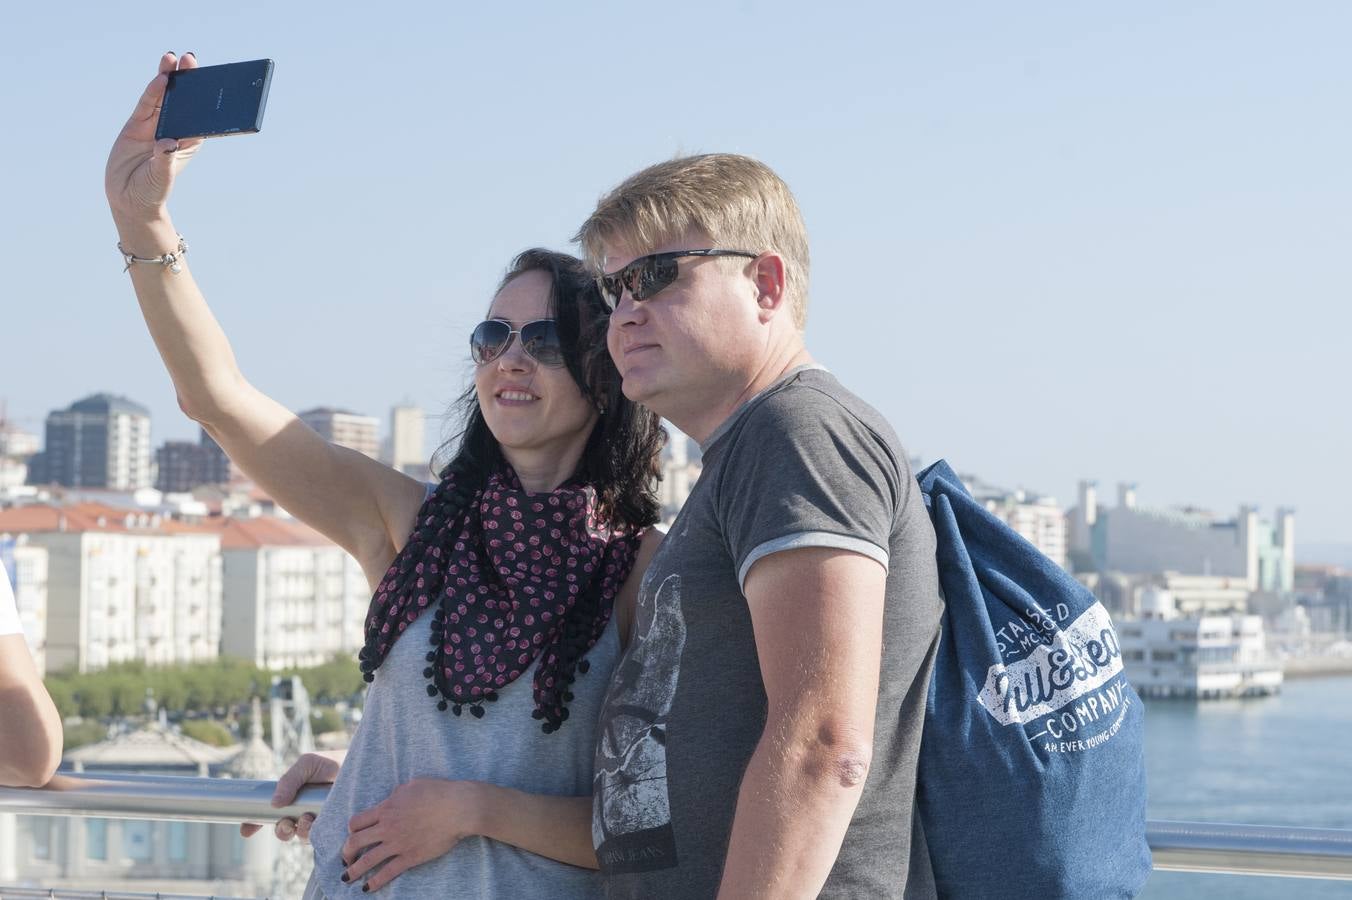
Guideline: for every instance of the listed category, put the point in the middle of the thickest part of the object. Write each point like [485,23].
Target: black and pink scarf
[512,577]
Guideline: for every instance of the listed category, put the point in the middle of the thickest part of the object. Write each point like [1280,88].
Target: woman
[490,638]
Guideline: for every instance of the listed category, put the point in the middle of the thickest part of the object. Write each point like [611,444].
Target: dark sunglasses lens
[655,273]
[488,341]
[611,287]
[541,340]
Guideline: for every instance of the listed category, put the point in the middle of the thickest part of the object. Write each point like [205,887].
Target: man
[761,735]
[30,739]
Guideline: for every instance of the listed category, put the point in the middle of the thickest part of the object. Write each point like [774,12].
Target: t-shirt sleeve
[9,611]
[805,472]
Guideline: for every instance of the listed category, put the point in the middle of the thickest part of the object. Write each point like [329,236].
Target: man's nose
[627,312]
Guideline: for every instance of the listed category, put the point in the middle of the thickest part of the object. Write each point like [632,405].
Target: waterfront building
[1139,540]
[138,855]
[1167,654]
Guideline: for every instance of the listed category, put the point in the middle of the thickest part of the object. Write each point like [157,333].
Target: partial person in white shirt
[30,736]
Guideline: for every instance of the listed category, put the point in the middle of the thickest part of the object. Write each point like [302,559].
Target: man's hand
[419,821]
[311,768]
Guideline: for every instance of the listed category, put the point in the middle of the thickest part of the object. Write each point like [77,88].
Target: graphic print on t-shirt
[631,825]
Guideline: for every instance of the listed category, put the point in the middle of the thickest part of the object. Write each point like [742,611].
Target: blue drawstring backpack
[1032,765]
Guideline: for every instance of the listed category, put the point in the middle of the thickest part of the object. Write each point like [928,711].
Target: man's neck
[701,423]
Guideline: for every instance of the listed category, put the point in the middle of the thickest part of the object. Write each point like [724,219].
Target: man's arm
[30,741]
[817,615]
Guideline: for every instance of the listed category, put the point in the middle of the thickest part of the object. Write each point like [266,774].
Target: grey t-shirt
[803,464]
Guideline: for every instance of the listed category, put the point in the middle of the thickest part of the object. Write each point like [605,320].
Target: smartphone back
[215,100]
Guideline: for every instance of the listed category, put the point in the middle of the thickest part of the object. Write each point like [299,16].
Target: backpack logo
[1080,660]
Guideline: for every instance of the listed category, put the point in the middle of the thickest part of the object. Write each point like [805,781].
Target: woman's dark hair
[621,458]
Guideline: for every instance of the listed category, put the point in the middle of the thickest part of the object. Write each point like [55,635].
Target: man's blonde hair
[737,201]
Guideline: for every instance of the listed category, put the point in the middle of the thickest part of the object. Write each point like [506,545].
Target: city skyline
[371,436]
[1048,243]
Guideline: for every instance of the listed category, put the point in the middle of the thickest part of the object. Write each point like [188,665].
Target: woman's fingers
[303,825]
[148,106]
[388,872]
[358,841]
[373,857]
[285,829]
[249,829]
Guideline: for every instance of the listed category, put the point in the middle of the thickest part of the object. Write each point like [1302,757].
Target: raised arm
[360,504]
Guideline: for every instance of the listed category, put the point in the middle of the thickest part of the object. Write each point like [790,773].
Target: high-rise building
[183,465]
[101,441]
[407,452]
[346,429]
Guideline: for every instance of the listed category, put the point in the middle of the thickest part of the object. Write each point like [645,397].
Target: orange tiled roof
[80,517]
[267,531]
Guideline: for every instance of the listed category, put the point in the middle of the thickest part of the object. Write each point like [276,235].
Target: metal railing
[1202,847]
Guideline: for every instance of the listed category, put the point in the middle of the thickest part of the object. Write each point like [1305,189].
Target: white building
[26,567]
[406,450]
[1039,519]
[293,598]
[13,473]
[123,585]
[346,429]
[681,467]
[1137,540]
[1169,655]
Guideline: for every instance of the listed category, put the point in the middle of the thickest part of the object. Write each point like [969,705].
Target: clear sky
[1050,240]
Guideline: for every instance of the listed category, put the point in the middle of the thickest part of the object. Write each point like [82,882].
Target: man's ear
[768,272]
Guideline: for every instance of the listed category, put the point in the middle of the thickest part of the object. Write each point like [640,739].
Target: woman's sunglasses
[647,275]
[540,340]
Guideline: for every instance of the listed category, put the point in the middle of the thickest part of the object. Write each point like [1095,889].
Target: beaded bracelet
[168,260]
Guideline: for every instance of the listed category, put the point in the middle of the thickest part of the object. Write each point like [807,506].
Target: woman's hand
[140,170]
[419,821]
[311,768]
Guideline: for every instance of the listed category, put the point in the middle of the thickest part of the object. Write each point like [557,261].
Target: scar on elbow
[852,770]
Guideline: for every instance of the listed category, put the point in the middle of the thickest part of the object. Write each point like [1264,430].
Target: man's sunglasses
[647,275]
[540,339]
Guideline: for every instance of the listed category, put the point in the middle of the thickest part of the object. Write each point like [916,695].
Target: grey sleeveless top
[403,736]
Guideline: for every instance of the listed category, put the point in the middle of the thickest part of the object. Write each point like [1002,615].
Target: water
[1282,760]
